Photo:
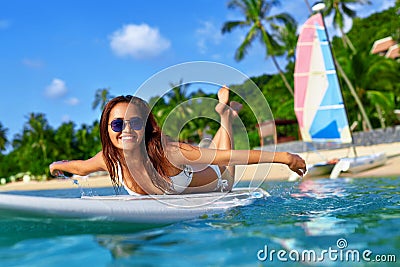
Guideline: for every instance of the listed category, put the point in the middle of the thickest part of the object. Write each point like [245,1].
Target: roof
[393,52]
[382,45]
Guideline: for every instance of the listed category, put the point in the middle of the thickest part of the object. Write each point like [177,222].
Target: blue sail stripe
[332,96]
[330,119]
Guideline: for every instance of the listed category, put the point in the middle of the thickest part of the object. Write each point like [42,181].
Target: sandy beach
[282,172]
[256,172]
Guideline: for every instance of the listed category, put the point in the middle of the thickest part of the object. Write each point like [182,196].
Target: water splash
[75,181]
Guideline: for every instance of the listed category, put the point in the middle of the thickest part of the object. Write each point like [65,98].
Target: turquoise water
[313,222]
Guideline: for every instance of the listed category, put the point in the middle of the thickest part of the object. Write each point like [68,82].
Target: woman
[144,161]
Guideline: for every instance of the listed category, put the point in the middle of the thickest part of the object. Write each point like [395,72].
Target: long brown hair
[152,145]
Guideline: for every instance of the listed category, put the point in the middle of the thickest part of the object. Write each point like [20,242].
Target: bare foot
[223,98]
[236,107]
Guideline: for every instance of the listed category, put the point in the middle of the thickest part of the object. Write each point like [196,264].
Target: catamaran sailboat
[318,102]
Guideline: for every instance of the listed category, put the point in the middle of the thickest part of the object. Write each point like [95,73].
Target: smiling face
[129,138]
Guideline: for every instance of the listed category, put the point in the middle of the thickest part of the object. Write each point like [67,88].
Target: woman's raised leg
[223,139]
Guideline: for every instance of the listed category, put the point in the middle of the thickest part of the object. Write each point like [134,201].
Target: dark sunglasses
[135,123]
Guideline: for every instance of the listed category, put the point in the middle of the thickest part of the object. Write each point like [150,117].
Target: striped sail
[318,100]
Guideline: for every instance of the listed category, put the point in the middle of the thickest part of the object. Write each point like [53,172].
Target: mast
[335,66]
[308,6]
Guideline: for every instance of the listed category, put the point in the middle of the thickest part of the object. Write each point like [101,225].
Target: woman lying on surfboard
[144,161]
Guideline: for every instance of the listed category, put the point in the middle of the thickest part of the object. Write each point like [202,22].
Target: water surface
[306,222]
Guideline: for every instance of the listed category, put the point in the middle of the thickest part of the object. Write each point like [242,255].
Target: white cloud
[57,88]
[72,101]
[32,63]
[376,6]
[348,23]
[207,34]
[333,30]
[138,41]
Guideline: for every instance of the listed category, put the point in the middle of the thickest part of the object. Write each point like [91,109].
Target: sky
[55,54]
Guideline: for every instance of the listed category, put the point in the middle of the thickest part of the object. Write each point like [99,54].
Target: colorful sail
[318,100]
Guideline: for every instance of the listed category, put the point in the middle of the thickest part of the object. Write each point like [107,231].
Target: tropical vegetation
[374,79]
[262,26]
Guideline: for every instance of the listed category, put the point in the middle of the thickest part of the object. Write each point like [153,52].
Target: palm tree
[164,105]
[65,141]
[339,9]
[257,19]
[87,139]
[177,111]
[83,141]
[353,92]
[33,146]
[287,37]
[3,137]
[372,77]
[101,98]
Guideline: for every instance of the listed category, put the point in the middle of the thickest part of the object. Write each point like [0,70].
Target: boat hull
[320,169]
[350,165]
[358,164]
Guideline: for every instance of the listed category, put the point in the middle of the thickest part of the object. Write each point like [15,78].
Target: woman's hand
[296,164]
[54,168]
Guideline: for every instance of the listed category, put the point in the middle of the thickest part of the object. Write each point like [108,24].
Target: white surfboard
[136,209]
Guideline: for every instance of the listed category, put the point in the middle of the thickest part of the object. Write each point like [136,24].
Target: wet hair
[152,147]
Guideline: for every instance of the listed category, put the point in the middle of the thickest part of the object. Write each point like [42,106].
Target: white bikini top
[179,182]
[182,180]
[121,180]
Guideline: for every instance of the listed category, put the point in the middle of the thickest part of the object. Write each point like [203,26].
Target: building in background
[386,47]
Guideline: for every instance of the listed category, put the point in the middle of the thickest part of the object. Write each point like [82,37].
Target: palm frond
[349,12]
[242,49]
[230,25]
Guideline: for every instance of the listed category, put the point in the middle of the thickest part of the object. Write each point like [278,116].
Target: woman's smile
[128,138]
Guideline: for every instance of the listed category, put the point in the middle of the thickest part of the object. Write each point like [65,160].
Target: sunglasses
[118,125]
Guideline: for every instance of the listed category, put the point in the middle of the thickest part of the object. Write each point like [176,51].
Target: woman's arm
[79,167]
[188,154]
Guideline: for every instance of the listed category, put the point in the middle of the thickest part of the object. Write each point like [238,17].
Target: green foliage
[101,98]
[375,78]
[3,138]
[39,145]
[274,31]
[365,31]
